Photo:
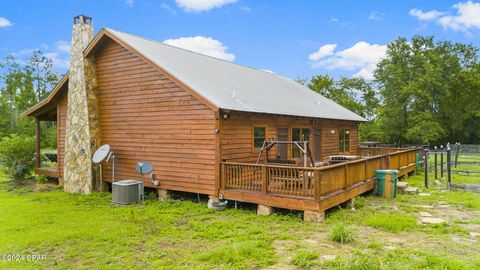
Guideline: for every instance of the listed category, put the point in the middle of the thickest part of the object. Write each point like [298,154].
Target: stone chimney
[82,128]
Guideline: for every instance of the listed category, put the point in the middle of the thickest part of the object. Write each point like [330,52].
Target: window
[299,135]
[344,140]
[258,137]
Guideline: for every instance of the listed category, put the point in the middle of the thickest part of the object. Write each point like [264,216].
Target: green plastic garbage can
[386,183]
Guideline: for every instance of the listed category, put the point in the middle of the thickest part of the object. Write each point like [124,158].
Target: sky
[297,39]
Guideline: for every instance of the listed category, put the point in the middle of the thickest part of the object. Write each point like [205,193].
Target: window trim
[301,136]
[342,149]
[253,137]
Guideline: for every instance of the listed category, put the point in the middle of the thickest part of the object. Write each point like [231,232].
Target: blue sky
[292,38]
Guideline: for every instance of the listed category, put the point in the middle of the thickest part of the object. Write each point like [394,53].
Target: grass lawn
[78,232]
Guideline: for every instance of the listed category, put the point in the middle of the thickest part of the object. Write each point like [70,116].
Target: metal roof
[235,87]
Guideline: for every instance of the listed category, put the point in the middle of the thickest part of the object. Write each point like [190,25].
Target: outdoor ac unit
[127,191]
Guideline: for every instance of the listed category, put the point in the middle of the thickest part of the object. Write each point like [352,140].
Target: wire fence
[456,166]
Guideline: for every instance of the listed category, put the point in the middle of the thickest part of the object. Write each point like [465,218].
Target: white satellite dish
[104,153]
[101,154]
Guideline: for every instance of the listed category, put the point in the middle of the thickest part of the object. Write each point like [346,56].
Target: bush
[343,234]
[17,156]
[305,259]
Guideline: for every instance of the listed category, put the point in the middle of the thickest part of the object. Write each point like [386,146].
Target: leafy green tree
[429,91]
[355,94]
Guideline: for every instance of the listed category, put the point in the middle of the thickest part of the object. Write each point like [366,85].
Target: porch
[311,188]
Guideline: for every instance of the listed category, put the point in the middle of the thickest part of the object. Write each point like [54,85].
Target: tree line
[22,85]
[424,92]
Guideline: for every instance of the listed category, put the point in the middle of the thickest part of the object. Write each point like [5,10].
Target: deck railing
[310,182]
[377,151]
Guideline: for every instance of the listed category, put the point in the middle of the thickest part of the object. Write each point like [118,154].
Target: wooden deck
[308,188]
[47,171]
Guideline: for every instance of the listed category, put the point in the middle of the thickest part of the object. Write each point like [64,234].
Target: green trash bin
[386,183]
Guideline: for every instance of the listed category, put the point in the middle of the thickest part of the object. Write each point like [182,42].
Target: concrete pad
[432,220]
[328,257]
[212,199]
[425,214]
[423,194]
[264,210]
[411,190]
[164,194]
[402,185]
[316,217]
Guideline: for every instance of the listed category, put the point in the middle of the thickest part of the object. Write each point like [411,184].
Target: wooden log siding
[146,116]
[323,183]
[237,135]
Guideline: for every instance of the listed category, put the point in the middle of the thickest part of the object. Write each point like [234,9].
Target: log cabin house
[202,122]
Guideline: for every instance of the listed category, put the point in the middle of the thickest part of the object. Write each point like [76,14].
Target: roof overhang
[47,107]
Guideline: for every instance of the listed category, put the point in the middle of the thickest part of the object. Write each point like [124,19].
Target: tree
[429,91]
[355,94]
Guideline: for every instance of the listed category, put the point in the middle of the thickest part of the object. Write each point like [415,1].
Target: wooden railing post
[222,176]
[346,175]
[317,178]
[265,179]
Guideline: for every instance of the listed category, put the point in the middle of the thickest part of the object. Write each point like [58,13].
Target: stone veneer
[82,128]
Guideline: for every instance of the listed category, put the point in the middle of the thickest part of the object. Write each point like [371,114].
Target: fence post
[265,179]
[317,176]
[441,161]
[435,159]
[449,166]
[346,175]
[222,176]
[425,166]
[457,150]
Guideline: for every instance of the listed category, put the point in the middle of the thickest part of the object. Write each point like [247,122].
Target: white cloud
[129,3]
[168,8]
[361,58]
[325,50]
[5,22]
[425,16]
[466,17]
[63,46]
[59,54]
[203,45]
[375,15]
[202,5]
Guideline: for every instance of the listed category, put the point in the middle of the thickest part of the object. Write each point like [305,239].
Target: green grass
[305,259]
[87,232]
[391,221]
[343,234]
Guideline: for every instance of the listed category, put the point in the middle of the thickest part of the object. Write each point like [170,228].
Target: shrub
[343,234]
[305,259]
[17,156]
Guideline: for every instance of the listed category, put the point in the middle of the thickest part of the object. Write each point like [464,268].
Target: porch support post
[37,142]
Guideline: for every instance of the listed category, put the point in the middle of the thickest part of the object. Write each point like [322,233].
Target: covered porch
[51,109]
[313,189]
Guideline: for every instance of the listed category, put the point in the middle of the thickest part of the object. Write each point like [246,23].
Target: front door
[282,147]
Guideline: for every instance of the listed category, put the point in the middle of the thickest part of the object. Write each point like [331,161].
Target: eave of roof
[37,107]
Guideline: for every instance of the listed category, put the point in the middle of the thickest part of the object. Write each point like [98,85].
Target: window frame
[294,149]
[344,140]
[254,137]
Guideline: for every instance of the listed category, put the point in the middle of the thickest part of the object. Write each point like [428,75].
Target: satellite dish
[101,154]
[144,167]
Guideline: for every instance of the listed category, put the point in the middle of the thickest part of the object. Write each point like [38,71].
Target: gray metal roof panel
[235,87]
